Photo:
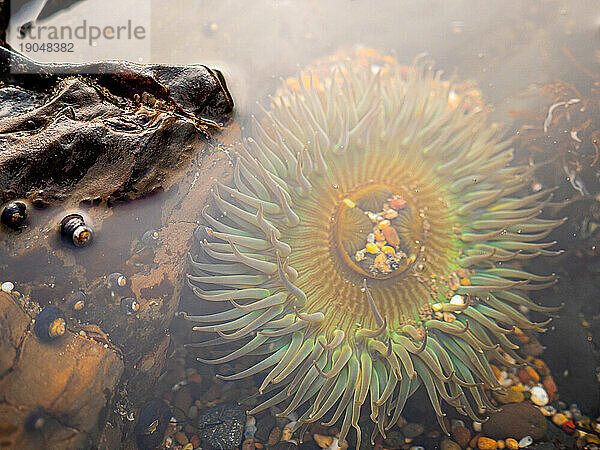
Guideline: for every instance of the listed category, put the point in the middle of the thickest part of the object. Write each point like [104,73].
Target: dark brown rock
[516,420]
[118,132]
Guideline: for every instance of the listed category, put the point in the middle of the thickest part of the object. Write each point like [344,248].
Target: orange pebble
[391,236]
[524,376]
[465,282]
[372,248]
[485,443]
[379,237]
[550,387]
[388,250]
[532,373]
[397,202]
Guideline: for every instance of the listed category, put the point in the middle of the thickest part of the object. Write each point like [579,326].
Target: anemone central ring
[389,255]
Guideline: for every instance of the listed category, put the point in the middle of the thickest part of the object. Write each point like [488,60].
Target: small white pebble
[334,445]
[525,442]
[477,426]
[7,287]
[457,300]
[436,306]
[539,396]
[371,238]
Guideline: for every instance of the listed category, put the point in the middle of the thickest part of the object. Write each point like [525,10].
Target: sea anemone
[370,242]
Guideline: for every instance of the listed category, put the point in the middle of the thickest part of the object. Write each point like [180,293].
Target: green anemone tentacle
[348,307]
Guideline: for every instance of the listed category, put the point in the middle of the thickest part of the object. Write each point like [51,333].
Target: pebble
[7,287]
[477,426]
[193,412]
[412,430]
[195,441]
[575,411]
[457,300]
[539,396]
[248,444]
[195,378]
[274,436]
[249,431]
[512,444]
[448,444]
[394,439]
[188,446]
[485,443]
[559,419]
[516,420]
[334,444]
[525,442]
[181,437]
[548,410]
[462,435]
[323,441]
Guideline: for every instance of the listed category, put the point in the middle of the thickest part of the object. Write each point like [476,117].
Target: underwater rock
[13,323]
[516,420]
[152,424]
[72,379]
[119,133]
[221,427]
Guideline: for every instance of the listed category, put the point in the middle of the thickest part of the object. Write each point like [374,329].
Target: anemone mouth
[366,233]
[367,245]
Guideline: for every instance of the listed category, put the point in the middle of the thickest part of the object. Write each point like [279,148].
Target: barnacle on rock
[369,244]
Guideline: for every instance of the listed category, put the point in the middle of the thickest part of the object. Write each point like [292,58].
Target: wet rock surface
[71,380]
[119,133]
[85,144]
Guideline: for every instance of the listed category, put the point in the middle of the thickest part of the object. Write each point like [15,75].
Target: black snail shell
[50,323]
[35,420]
[77,300]
[152,424]
[73,228]
[116,281]
[14,215]
[129,305]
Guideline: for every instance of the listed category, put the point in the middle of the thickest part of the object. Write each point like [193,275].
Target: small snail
[14,215]
[116,281]
[73,228]
[129,305]
[77,300]
[50,324]
[150,238]
[35,420]
[152,423]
